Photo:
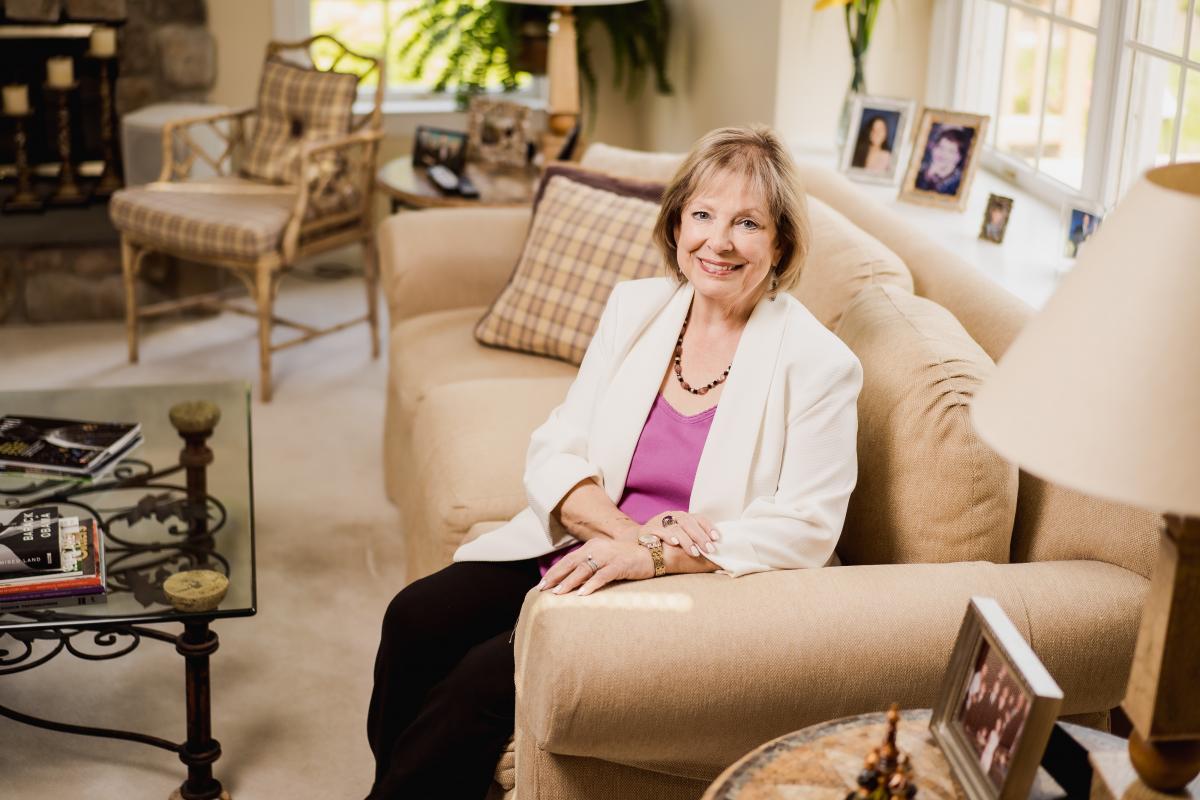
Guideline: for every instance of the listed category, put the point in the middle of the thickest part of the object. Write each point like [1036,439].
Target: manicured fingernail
[580,591]
[709,547]
[558,590]
[695,550]
[715,536]
[541,585]
[674,540]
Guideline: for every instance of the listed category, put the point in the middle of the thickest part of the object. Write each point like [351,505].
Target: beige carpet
[290,685]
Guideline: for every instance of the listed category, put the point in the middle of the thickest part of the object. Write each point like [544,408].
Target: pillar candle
[103,42]
[60,72]
[16,99]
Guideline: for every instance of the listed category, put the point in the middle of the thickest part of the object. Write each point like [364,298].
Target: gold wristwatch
[654,545]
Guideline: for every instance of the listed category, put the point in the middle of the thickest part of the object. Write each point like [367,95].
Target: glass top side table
[181,501]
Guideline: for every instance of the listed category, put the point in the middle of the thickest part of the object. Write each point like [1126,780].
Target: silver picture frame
[897,115]
[989,644]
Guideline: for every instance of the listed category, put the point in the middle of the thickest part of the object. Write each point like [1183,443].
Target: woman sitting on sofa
[711,428]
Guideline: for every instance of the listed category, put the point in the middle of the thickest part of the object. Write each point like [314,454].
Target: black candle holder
[26,199]
[68,192]
[110,177]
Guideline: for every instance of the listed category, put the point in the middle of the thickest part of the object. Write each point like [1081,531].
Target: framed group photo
[878,133]
[433,146]
[944,157]
[996,707]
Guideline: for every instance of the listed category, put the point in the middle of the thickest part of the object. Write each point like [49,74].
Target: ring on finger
[668,521]
[592,565]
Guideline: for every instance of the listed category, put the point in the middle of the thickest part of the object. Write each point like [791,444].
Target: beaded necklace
[679,368]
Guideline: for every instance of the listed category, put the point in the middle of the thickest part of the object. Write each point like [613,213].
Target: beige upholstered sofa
[650,689]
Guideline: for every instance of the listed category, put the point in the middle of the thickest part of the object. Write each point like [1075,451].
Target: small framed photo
[995,218]
[996,707]
[878,133]
[944,158]
[432,146]
[499,131]
[1080,221]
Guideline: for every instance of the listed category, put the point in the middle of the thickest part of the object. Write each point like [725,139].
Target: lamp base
[1165,765]
[1114,778]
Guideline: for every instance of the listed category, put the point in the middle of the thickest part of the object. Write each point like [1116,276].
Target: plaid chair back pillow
[295,106]
[589,232]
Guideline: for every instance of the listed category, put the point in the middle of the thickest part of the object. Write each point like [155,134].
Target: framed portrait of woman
[878,135]
[944,158]
[996,708]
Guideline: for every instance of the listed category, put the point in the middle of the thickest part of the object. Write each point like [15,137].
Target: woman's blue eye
[700,215]
[750,224]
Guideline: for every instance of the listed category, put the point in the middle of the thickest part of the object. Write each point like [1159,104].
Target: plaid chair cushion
[223,217]
[295,106]
[589,232]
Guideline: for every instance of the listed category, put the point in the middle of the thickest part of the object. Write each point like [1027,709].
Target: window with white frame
[376,27]
[1084,95]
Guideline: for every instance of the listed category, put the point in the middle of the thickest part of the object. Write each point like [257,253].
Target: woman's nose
[720,241]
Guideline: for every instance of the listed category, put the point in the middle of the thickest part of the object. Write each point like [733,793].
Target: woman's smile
[719,269]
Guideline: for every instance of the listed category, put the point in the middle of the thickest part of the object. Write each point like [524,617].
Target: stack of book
[47,560]
[64,448]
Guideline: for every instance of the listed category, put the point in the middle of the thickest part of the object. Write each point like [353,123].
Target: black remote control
[466,188]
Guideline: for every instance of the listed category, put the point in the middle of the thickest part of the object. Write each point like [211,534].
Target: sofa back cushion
[639,164]
[589,232]
[295,106]
[842,261]
[929,489]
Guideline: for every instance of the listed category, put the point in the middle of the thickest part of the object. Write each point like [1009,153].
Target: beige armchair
[293,178]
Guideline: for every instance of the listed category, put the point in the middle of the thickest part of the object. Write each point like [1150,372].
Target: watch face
[649,540]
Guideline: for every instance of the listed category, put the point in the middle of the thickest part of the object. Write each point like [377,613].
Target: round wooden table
[410,187]
[822,762]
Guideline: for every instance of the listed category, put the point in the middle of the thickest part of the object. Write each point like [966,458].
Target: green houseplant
[464,44]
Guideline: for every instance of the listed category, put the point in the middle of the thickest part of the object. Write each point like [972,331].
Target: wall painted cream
[723,65]
[242,30]
[814,65]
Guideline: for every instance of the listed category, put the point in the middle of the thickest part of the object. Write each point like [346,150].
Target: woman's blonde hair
[757,153]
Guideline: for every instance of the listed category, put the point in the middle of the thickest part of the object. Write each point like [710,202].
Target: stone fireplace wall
[64,264]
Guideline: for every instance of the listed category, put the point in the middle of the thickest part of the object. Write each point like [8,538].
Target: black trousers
[444,698]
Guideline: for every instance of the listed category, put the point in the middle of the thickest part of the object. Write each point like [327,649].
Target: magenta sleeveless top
[663,468]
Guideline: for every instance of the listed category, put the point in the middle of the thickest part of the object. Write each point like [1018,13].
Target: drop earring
[774,282]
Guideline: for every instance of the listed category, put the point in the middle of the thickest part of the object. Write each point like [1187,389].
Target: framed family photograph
[995,218]
[878,133]
[1080,222]
[944,158]
[996,707]
[499,131]
[433,146]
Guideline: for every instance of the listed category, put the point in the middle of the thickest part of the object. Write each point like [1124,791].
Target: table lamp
[1101,392]
[562,63]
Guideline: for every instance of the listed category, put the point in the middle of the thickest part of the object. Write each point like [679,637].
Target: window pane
[1085,11]
[358,24]
[1161,24]
[1150,125]
[1068,99]
[1196,34]
[981,78]
[1189,136]
[1021,91]
[1044,5]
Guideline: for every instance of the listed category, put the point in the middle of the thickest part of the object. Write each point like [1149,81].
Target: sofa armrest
[685,674]
[443,258]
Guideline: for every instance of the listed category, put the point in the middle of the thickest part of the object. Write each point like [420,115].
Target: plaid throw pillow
[295,106]
[589,232]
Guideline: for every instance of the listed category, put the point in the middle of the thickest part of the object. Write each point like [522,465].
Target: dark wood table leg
[200,750]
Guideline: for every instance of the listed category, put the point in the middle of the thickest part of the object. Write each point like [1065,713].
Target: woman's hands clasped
[692,532]
[600,561]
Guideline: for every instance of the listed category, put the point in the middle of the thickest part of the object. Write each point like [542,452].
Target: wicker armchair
[293,177]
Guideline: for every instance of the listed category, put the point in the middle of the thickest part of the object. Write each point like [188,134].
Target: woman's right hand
[692,532]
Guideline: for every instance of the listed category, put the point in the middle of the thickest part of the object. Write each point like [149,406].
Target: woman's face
[726,242]
[944,158]
[879,131]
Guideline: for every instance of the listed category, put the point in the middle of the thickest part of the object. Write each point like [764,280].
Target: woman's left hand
[614,561]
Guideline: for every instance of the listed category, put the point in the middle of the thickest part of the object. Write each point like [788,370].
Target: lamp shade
[1101,390]
[573,4]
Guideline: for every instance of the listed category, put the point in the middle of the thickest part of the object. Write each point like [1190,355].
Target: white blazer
[780,460]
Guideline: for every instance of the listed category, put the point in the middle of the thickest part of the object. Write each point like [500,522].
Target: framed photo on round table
[996,707]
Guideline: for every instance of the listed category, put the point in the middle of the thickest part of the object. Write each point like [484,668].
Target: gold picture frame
[498,132]
[996,708]
[944,158]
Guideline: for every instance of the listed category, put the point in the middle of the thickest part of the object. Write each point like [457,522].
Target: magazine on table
[63,446]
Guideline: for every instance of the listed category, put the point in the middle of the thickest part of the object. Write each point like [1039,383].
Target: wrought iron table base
[197,642]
